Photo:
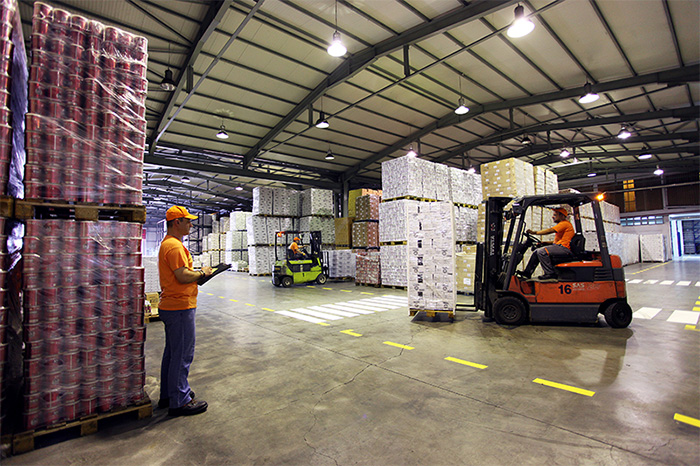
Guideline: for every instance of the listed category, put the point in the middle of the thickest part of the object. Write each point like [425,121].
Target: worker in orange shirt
[178,303]
[295,252]
[558,252]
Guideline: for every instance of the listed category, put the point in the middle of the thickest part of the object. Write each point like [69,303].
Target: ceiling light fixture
[461,108]
[411,152]
[168,84]
[471,170]
[564,153]
[329,155]
[624,133]
[658,171]
[644,156]
[591,175]
[239,188]
[322,122]
[222,134]
[526,141]
[521,26]
[185,179]
[336,49]
[588,94]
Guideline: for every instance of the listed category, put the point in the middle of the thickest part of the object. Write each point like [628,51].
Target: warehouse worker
[178,303]
[558,252]
[295,252]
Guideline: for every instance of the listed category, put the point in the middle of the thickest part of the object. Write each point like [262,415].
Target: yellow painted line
[310,286]
[466,363]
[692,327]
[686,419]
[697,308]
[561,386]
[328,289]
[644,270]
[350,332]
[324,324]
[364,292]
[210,294]
[268,309]
[234,300]
[222,297]
[398,346]
[346,291]
[248,304]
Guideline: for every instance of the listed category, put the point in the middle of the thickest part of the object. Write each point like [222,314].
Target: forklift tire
[509,310]
[618,315]
[287,281]
[276,280]
[321,279]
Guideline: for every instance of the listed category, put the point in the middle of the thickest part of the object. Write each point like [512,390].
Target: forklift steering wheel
[536,243]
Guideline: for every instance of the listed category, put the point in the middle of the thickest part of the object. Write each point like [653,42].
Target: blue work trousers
[177,356]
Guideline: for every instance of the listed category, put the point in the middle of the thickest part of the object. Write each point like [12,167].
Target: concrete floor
[287,392]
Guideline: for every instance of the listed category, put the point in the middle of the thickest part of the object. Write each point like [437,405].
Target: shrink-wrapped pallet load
[394,262]
[653,248]
[367,207]
[343,232]
[367,267]
[510,177]
[317,202]
[392,220]
[355,193]
[341,263]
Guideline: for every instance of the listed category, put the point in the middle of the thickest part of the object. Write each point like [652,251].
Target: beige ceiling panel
[685,16]
[439,46]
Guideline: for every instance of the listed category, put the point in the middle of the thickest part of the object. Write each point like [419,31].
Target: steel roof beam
[364,58]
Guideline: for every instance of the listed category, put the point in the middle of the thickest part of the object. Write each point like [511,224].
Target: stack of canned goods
[86,127]
[3,316]
[83,319]
[8,11]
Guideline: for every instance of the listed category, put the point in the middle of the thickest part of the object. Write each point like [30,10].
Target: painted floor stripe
[371,305]
[352,306]
[333,311]
[210,294]
[234,300]
[697,284]
[394,297]
[348,308]
[320,315]
[684,317]
[346,291]
[351,333]
[561,386]
[466,363]
[686,419]
[666,282]
[398,345]
[692,327]
[650,282]
[222,297]
[294,315]
[636,280]
[696,309]
[683,283]
[328,289]
[385,304]
[646,312]
[392,302]
[365,292]
[268,309]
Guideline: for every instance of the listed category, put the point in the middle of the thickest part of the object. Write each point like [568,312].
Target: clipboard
[217,270]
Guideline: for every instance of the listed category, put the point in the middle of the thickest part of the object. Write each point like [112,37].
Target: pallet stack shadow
[83,280]
[365,240]
[409,185]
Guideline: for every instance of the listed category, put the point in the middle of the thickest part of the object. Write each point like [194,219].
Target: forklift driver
[556,252]
[296,253]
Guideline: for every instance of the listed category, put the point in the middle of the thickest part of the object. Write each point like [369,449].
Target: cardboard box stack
[465,187]
[152,278]
[236,241]
[365,234]
[355,193]
[653,248]
[317,202]
[624,245]
[367,267]
[343,235]
[394,261]
[465,224]
[404,176]
[326,225]
[341,263]
[431,257]
[465,269]
[393,216]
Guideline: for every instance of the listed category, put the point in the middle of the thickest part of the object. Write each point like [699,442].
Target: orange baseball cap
[562,211]
[296,238]
[177,211]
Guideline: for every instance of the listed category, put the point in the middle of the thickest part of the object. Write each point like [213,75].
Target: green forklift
[289,270]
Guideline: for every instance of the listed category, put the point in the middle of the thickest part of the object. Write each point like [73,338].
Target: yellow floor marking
[324,324]
[310,286]
[561,386]
[692,327]
[398,346]
[687,419]
[210,294]
[466,363]
[364,292]
[268,309]
[328,289]
[222,297]
[644,270]
[697,308]
[248,304]
[346,291]
[234,300]
[350,332]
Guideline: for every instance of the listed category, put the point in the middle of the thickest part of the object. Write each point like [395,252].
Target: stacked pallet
[341,263]
[355,193]
[83,280]
[236,241]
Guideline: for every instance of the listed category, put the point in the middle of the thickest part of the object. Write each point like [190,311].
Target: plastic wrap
[84,327]
[317,202]
[367,267]
[341,263]
[365,234]
[343,228]
[394,268]
[86,127]
[367,207]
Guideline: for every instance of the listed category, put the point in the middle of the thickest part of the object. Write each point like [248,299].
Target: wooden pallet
[7,206]
[371,285]
[432,313]
[24,441]
[410,198]
[26,209]
[151,317]
[393,243]
[394,287]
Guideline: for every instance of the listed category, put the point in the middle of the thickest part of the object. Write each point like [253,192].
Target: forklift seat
[578,245]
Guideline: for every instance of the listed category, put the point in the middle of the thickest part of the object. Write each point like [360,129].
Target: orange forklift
[588,284]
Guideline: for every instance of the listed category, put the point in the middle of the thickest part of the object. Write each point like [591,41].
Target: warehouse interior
[248,108]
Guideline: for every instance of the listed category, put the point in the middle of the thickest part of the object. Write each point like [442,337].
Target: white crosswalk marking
[636,280]
[370,304]
[666,282]
[320,315]
[697,284]
[348,308]
[684,283]
[646,312]
[366,307]
[334,311]
[684,317]
[650,282]
[395,298]
[313,320]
